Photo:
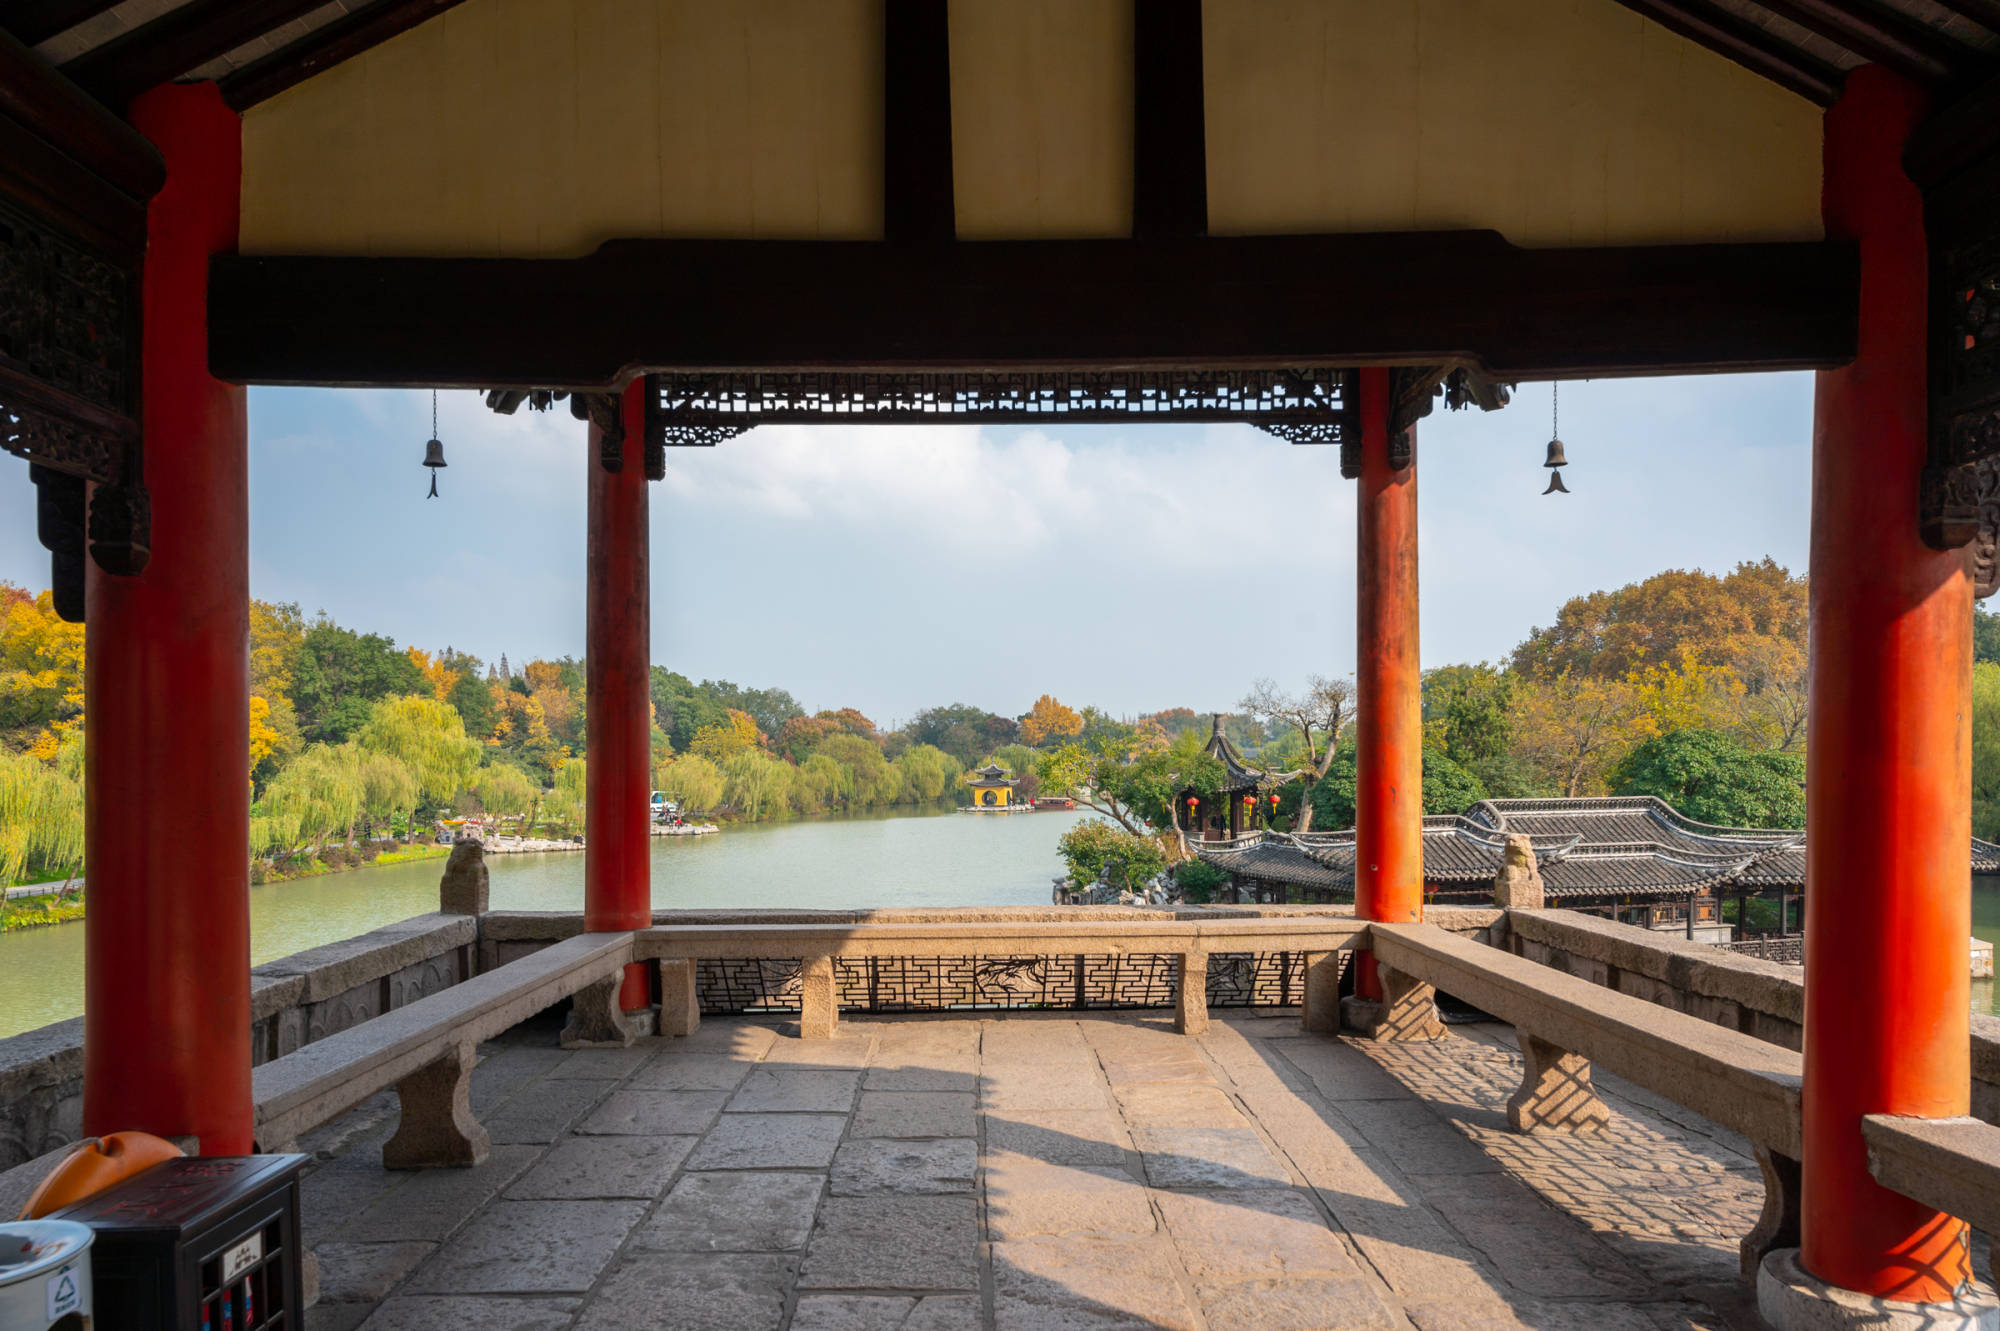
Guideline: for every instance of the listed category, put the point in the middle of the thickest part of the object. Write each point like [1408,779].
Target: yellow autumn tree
[1049,719]
[437,673]
[41,672]
[736,733]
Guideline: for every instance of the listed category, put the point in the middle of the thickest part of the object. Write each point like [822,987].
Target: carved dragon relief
[1414,391]
[604,410]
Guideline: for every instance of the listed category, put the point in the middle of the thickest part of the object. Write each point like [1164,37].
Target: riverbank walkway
[1030,1171]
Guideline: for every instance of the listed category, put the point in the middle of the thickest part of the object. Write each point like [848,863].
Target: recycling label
[65,1290]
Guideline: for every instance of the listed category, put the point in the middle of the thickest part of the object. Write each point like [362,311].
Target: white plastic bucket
[44,1275]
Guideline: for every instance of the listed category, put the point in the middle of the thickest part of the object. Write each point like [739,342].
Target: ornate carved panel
[1305,406]
[1961,481]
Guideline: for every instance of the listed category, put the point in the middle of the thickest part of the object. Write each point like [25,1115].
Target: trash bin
[45,1275]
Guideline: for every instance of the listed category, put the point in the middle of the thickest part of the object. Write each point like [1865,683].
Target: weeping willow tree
[566,803]
[41,812]
[693,782]
[504,790]
[428,738]
[318,798]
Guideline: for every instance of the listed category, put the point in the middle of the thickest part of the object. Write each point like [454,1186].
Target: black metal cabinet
[205,1243]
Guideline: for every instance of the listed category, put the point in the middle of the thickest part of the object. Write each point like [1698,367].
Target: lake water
[942,859]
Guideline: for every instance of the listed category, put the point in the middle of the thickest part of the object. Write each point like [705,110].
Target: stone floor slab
[922,1072]
[1164,1065]
[732,1037]
[1026,1198]
[654,1113]
[862,1312]
[1010,1088]
[721,1291]
[607,1064]
[530,1247]
[1059,1136]
[1207,1158]
[914,1114]
[796,1091]
[543,1110]
[1541,1251]
[459,1312]
[751,1211]
[505,1069]
[843,1051]
[1252,1234]
[1317,1303]
[434,1202]
[1416,1140]
[869,1166]
[581,1168]
[894,1243]
[1165,1105]
[1338,1070]
[675,1071]
[366,1272]
[770,1141]
[1088,1282]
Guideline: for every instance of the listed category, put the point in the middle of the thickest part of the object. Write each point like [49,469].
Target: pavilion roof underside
[1620,845]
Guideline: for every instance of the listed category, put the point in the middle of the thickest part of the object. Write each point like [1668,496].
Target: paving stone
[1088,1282]
[1251,1234]
[1538,1315]
[769,1141]
[916,1070]
[731,1037]
[914,1114]
[337,1316]
[715,1291]
[366,1272]
[606,1064]
[507,1069]
[753,1211]
[868,1166]
[862,1312]
[1341,1072]
[1207,1158]
[463,1313]
[795,1091]
[890,1243]
[543,1111]
[675,1071]
[1165,1065]
[333,1193]
[1416,1140]
[654,1113]
[843,1051]
[530,1247]
[1317,1303]
[1041,1088]
[1164,1105]
[1246,1062]
[1539,1250]
[434,1202]
[1025,1198]
[586,1167]
[1059,1136]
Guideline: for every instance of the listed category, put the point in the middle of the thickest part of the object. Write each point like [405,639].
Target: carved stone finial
[1518,885]
[463,890]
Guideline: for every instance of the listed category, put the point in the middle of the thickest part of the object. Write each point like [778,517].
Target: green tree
[341,674]
[567,800]
[504,790]
[962,731]
[1985,635]
[429,738]
[1713,779]
[314,800]
[1448,788]
[41,813]
[1986,749]
[470,695]
[1317,716]
[693,782]
[755,783]
[924,773]
[1128,860]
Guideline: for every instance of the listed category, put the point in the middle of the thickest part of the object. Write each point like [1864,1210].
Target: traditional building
[1631,858]
[991,787]
[1225,813]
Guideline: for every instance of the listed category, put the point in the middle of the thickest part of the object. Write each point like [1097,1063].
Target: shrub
[1199,880]
[1088,848]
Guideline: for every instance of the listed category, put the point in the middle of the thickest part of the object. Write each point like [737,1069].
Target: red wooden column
[167,696]
[1888,791]
[1389,771]
[617,856]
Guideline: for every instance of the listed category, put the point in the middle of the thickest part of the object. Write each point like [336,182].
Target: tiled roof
[1586,847]
[1241,775]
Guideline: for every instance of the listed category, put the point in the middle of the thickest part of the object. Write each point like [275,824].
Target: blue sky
[891,568]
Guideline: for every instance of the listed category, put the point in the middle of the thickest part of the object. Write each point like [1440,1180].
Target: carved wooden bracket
[1414,391]
[1960,495]
[604,410]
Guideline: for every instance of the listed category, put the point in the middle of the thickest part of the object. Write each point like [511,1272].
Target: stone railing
[1765,999]
[294,1001]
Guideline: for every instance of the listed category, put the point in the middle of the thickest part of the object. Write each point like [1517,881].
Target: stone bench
[1952,1164]
[817,946]
[427,1049]
[1566,1024]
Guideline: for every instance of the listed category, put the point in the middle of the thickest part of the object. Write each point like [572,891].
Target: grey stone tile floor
[1030,1172]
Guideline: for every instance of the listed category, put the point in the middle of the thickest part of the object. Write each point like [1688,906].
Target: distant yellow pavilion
[992,788]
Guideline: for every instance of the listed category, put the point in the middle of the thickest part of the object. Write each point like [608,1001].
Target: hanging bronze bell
[1556,458]
[1556,485]
[433,458]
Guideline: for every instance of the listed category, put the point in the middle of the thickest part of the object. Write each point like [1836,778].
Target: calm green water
[941,859]
[1986,924]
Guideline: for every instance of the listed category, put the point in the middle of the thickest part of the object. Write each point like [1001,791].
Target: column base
[1791,1299]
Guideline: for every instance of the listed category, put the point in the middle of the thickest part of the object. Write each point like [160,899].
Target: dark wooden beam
[1986,13]
[1272,301]
[1958,136]
[53,108]
[1882,36]
[33,22]
[1169,133]
[1750,46]
[180,40]
[918,204]
[323,48]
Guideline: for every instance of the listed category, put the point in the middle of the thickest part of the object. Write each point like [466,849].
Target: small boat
[1047,802]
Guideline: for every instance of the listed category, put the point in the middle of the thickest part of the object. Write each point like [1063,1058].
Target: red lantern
[1274,801]
[1193,803]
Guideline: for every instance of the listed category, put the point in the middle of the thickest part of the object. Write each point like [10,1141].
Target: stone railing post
[680,1004]
[437,1129]
[463,890]
[819,1000]
[1320,1011]
[1778,1226]
[1191,997]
